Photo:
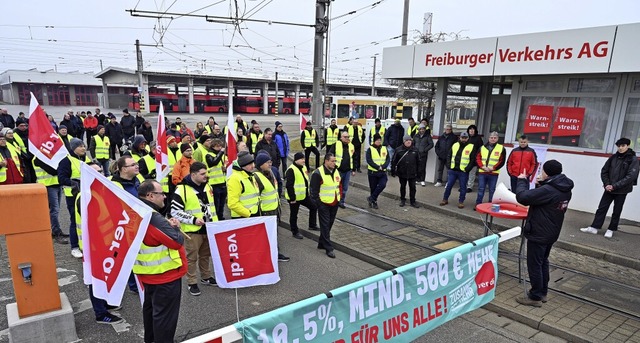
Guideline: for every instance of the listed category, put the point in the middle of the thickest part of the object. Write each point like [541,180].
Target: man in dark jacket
[443,147]
[619,174]
[267,144]
[476,140]
[405,166]
[459,164]
[113,130]
[393,137]
[128,123]
[69,124]
[547,203]
[423,142]
[6,119]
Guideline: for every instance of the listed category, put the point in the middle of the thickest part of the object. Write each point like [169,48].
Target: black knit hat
[244,158]
[184,147]
[297,156]
[552,167]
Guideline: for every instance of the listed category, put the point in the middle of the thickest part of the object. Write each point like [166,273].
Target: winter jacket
[128,123]
[547,206]
[477,144]
[90,123]
[621,172]
[139,122]
[271,148]
[423,143]
[444,144]
[458,158]
[147,133]
[114,132]
[181,169]
[282,142]
[394,136]
[405,162]
[71,126]
[520,160]
[7,121]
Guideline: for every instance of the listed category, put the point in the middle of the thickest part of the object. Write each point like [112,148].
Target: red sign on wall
[569,122]
[538,119]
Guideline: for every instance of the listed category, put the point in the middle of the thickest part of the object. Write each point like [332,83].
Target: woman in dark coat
[405,166]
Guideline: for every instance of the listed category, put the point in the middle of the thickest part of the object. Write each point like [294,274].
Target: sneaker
[210,281]
[297,235]
[469,190]
[109,318]
[423,184]
[375,205]
[443,202]
[113,308]
[341,205]
[75,252]
[402,202]
[314,228]
[60,239]
[415,205]
[460,205]
[608,234]
[438,184]
[370,202]
[282,258]
[529,302]
[194,290]
[590,229]
[543,299]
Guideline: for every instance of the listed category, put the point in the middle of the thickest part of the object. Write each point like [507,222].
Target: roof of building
[49,77]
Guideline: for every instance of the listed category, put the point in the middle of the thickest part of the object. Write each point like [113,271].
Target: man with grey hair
[489,160]
[443,146]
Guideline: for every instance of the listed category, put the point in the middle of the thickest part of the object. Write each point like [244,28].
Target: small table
[507,211]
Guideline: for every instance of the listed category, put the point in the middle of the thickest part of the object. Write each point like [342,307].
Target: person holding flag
[160,268]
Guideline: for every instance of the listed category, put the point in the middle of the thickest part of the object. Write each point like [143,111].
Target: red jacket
[520,160]
[90,123]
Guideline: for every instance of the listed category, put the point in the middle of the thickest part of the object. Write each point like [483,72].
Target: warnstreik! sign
[394,306]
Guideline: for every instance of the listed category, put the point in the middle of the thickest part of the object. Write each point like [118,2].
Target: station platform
[562,317]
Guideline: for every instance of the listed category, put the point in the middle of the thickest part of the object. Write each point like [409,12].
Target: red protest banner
[538,119]
[569,122]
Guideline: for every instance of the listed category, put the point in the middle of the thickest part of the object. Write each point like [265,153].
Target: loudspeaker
[504,195]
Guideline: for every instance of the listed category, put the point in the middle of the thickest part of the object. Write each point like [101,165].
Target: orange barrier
[24,210]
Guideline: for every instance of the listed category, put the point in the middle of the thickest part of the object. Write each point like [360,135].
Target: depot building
[572,92]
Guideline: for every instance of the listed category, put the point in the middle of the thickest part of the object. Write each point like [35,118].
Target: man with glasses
[343,152]
[443,147]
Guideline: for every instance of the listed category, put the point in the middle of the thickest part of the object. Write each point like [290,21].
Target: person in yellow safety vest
[324,191]
[489,160]
[192,204]
[143,157]
[297,193]
[15,142]
[209,126]
[241,137]
[22,134]
[216,162]
[343,152]
[10,172]
[99,149]
[331,135]
[357,139]
[377,164]
[173,151]
[268,191]
[48,177]
[242,193]
[160,268]
[310,141]
[377,129]
[69,179]
[413,127]
[254,136]
[100,307]
[205,144]
[459,162]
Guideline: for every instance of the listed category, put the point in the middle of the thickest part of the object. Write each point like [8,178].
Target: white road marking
[62,270]
[82,306]
[4,279]
[5,297]
[67,280]
[121,327]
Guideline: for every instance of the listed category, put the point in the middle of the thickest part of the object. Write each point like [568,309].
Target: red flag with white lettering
[244,251]
[303,122]
[232,149]
[44,142]
[162,155]
[114,223]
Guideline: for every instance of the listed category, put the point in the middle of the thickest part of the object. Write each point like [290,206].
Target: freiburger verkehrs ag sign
[561,52]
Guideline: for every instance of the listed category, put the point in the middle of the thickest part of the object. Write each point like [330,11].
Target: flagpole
[237,306]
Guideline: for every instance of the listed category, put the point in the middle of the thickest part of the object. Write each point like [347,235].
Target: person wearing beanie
[423,142]
[113,130]
[282,143]
[393,137]
[405,166]
[90,125]
[343,152]
[141,153]
[377,163]
[254,136]
[174,154]
[310,141]
[297,193]
[242,194]
[128,123]
[521,157]
[619,174]
[99,149]
[547,203]
[182,168]
[459,162]
[69,179]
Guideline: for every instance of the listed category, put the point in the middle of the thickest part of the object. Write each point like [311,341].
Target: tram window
[636,86]
[343,111]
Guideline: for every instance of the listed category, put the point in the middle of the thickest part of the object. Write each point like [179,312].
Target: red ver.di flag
[44,142]
[114,223]
[162,155]
[244,251]
[232,149]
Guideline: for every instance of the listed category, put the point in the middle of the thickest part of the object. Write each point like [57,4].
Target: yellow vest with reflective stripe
[249,198]
[102,147]
[378,158]
[149,161]
[330,187]
[339,154]
[373,132]
[156,260]
[269,195]
[217,174]
[75,173]
[464,159]
[298,184]
[193,206]
[412,130]
[3,171]
[332,135]
[491,161]
[43,177]
[352,134]
[309,141]
[254,140]
[172,161]
[17,139]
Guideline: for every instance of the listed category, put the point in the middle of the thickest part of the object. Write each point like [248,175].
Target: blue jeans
[344,184]
[377,183]
[452,177]
[54,195]
[390,151]
[73,235]
[99,305]
[219,200]
[486,179]
[105,167]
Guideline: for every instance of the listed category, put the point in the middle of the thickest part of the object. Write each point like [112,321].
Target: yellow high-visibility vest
[378,157]
[330,187]
[299,185]
[269,195]
[309,141]
[339,154]
[464,159]
[192,205]
[102,147]
[491,161]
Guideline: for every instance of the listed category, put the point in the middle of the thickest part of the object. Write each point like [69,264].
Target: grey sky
[85,32]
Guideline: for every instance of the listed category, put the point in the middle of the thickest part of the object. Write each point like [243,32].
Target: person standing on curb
[423,142]
[404,165]
[343,152]
[521,157]
[324,190]
[297,193]
[619,174]
[459,160]
[547,205]
[282,142]
[377,129]
[331,135]
[377,162]
[476,141]
[357,137]
[393,137]
[310,141]
[443,147]
[490,159]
